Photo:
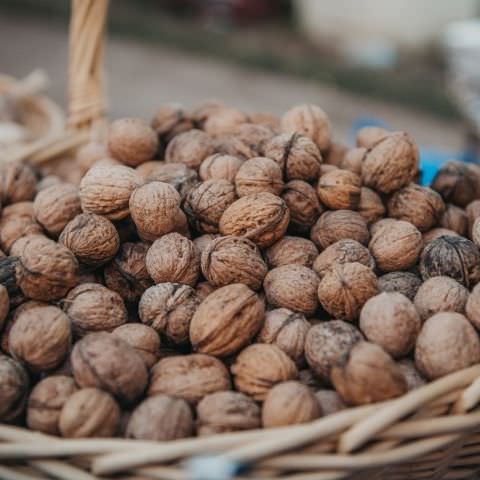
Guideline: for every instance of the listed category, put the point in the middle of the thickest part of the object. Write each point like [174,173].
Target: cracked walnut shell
[259,174]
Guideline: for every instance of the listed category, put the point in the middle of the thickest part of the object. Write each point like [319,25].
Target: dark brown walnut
[455,218]
[396,246]
[254,137]
[339,190]
[204,240]
[310,121]
[294,287]
[126,230]
[473,212]
[206,203]
[4,305]
[302,201]
[91,307]
[220,167]
[89,412]
[406,283]
[328,344]
[178,175]
[224,412]
[231,259]
[161,418]
[438,232]
[168,308]
[345,288]
[440,294]
[227,320]
[17,183]
[46,402]
[412,376]
[55,206]
[297,156]
[170,120]
[367,137]
[333,226]
[421,206]
[106,190]
[259,367]
[127,273]
[40,338]
[143,339]
[103,360]
[392,163]
[204,289]
[259,174]
[353,160]
[447,343]
[287,330]
[46,270]
[455,257]
[455,183]
[371,206]
[89,154]
[132,141]
[154,209]
[391,321]
[173,258]
[290,403]
[189,148]
[343,251]
[291,250]
[190,377]
[472,307]
[262,217]
[265,118]
[92,238]
[224,120]
[14,385]
[368,375]
[330,401]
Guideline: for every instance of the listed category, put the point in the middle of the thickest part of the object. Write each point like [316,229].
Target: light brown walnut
[291,250]
[335,154]
[178,175]
[455,218]
[254,137]
[259,174]
[472,308]
[143,339]
[170,120]
[17,183]
[473,212]
[371,206]
[224,120]
[204,240]
[220,167]
[437,232]
[14,386]
[89,154]
[189,148]
[353,160]
[340,190]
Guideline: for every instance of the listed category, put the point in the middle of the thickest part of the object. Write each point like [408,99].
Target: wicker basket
[432,432]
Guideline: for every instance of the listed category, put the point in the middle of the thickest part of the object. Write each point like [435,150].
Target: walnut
[421,206]
[290,403]
[311,121]
[202,242]
[232,259]
[4,305]
[189,148]
[161,418]
[368,137]
[14,385]
[455,218]
[391,163]
[371,207]
[455,183]
[476,232]
[353,160]
[142,338]
[262,217]
[46,402]
[291,250]
[190,377]
[308,378]
[168,308]
[339,190]
[48,181]
[260,367]
[170,120]
[265,118]
[177,175]
[343,251]
[106,190]
[254,137]
[381,223]
[292,286]
[89,412]
[473,212]
[204,289]
[89,154]
[220,167]
[17,183]
[173,258]
[287,330]
[406,283]
[396,246]
[224,120]
[259,174]
[297,156]
[345,288]
[368,375]
[335,154]
[302,201]
[203,111]
[330,401]
[206,203]
[447,343]
[40,338]
[227,320]
[224,412]
[333,226]
[455,257]
[438,232]
[412,376]
[391,321]
[148,170]
[472,307]
[105,361]
[230,145]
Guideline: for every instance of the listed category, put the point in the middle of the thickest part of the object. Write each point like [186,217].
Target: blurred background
[412,65]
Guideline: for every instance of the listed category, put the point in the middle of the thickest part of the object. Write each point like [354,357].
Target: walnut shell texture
[259,174]
[170,120]
[406,283]
[371,206]
[17,183]
[220,167]
[455,183]
[340,190]
[178,175]
[455,218]
[14,385]
[367,137]
[189,148]
[291,250]
[472,307]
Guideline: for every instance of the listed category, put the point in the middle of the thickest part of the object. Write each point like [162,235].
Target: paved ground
[142,77]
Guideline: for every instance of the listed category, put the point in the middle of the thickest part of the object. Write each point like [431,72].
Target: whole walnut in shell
[224,412]
[265,118]
[40,338]
[438,232]
[189,148]
[177,175]
[143,339]
[330,401]
[345,288]
[14,385]
[291,250]
[254,137]
[220,167]
[190,377]
[353,160]
[371,206]
[472,307]
[368,375]
[447,343]
[4,305]
[168,308]
[454,218]
[412,376]
[259,174]
[472,211]
[105,361]
[367,137]
[259,367]
[406,283]
[224,120]
[173,258]
[340,190]
[46,402]
[202,242]
[227,320]
[17,183]
[170,120]
[92,238]
[89,154]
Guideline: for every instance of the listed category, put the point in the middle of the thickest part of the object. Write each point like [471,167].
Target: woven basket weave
[432,432]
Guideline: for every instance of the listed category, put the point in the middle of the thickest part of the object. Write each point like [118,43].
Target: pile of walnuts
[216,271]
